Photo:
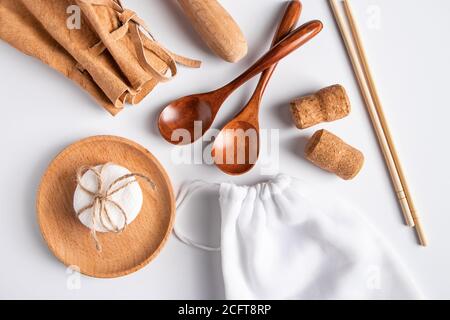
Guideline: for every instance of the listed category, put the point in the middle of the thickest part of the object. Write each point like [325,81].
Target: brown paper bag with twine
[20,29]
[112,55]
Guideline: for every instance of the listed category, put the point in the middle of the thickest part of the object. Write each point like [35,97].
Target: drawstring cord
[185,193]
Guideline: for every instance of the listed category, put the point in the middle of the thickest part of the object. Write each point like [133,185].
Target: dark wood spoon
[245,149]
[187,119]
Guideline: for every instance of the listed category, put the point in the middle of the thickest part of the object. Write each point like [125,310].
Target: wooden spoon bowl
[236,148]
[181,117]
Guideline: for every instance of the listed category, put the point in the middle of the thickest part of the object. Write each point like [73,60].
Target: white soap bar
[129,198]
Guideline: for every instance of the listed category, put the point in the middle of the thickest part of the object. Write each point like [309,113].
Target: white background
[409,51]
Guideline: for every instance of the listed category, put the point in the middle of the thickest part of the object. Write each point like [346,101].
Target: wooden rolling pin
[217,28]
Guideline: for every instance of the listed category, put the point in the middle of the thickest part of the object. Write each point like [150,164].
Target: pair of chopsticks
[358,57]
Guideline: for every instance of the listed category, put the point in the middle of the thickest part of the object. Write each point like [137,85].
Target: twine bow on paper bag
[142,39]
[102,197]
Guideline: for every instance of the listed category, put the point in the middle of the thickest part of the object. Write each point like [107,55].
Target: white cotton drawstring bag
[285,240]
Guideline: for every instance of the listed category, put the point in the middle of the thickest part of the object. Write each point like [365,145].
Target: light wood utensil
[248,119]
[216,27]
[358,57]
[71,242]
[183,115]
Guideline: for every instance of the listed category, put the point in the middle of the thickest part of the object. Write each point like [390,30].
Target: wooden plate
[71,242]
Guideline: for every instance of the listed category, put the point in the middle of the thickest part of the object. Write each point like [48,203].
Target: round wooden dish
[71,242]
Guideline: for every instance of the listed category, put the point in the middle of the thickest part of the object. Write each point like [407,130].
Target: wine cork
[330,153]
[328,104]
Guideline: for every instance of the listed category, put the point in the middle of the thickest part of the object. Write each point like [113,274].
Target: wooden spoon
[245,150]
[216,27]
[187,119]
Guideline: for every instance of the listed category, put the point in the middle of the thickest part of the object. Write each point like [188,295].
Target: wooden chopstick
[367,86]
[379,109]
[375,121]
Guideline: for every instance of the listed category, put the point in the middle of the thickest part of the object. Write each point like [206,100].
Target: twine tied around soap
[142,39]
[103,197]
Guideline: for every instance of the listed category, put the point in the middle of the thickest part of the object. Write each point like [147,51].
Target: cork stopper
[328,104]
[330,153]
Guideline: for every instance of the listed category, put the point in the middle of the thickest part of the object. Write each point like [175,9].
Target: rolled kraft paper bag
[142,59]
[104,21]
[102,68]
[328,104]
[117,71]
[23,31]
[330,153]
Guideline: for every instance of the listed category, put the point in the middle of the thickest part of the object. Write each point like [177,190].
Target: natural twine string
[142,39]
[102,197]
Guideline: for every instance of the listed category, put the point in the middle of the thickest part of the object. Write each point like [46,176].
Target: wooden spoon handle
[287,24]
[293,41]
[216,27]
